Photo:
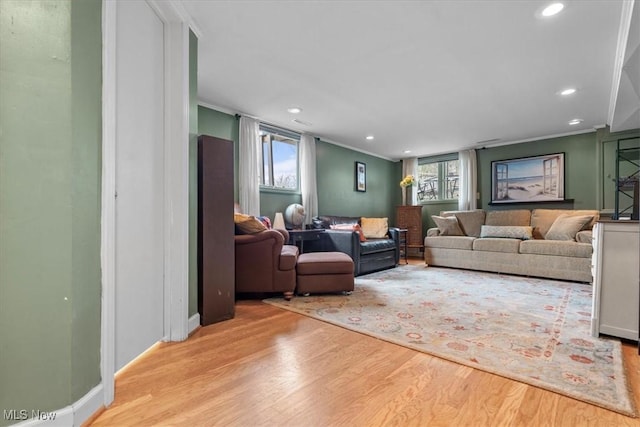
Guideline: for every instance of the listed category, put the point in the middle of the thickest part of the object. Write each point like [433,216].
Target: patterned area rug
[536,331]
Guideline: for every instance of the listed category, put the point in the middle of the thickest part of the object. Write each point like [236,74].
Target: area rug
[531,330]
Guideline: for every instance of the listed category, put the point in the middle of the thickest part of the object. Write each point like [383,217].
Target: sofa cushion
[509,217]
[448,226]
[542,219]
[497,245]
[556,247]
[377,245]
[449,242]
[374,227]
[565,227]
[522,232]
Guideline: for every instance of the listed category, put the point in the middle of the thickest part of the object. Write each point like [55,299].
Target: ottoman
[323,272]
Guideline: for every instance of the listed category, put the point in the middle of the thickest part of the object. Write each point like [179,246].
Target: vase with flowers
[407,181]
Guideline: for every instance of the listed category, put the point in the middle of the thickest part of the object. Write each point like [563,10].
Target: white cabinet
[616,279]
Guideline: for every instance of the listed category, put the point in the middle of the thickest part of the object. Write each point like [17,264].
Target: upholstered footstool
[324,272]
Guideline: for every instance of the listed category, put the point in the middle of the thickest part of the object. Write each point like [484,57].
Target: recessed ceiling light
[369,138]
[406,151]
[575,121]
[294,110]
[552,9]
[568,91]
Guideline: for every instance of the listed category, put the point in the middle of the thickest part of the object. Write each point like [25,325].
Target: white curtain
[249,166]
[468,180]
[410,167]
[308,181]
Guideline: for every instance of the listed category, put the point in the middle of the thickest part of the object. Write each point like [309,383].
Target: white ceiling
[425,76]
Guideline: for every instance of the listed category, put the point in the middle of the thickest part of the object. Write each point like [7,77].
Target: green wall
[336,187]
[335,174]
[221,125]
[579,170]
[50,140]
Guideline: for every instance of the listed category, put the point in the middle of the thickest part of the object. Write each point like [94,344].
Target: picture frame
[528,179]
[361,177]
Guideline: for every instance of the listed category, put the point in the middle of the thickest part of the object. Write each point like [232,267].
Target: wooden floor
[273,367]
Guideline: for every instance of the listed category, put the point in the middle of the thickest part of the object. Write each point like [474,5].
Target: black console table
[298,237]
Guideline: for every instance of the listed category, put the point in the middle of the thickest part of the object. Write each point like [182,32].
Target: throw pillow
[447,226]
[239,217]
[350,227]
[358,229]
[250,226]
[265,220]
[522,232]
[341,226]
[542,219]
[374,227]
[565,227]
[471,221]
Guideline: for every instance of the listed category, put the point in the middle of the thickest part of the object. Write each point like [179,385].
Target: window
[438,178]
[279,158]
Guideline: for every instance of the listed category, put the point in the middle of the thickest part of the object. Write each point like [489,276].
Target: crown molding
[319,137]
[623,37]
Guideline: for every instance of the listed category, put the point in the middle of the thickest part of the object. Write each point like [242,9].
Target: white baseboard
[88,405]
[72,415]
[194,322]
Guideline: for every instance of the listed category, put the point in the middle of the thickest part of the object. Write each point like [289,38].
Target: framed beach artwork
[361,176]
[528,179]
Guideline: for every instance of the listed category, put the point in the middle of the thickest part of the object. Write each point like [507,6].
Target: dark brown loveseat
[372,255]
[264,263]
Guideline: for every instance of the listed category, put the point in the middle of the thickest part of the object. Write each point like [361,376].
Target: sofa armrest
[288,257]
[394,234]
[345,241]
[584,236]
[284,233]
[257,261]
[259,244]
[433,232]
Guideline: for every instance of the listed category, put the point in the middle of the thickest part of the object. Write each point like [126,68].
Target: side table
[402,234]
[298,237]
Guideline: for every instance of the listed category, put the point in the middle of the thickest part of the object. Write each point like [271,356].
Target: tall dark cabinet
[216,249]
[410,218]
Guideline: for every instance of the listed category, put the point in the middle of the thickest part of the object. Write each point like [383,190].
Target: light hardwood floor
[268,366]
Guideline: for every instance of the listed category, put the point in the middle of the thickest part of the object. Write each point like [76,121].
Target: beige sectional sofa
[552,243]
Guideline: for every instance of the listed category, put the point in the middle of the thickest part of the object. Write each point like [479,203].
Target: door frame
[176,182]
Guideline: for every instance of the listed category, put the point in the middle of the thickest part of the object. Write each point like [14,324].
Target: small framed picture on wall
[361,176]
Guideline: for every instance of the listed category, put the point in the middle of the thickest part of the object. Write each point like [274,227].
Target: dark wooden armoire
[216,246]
